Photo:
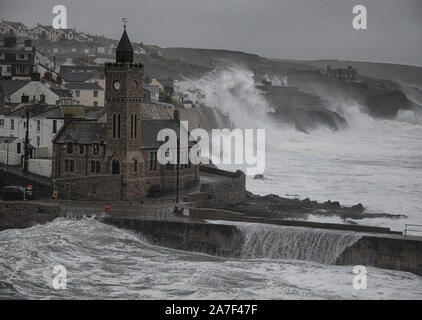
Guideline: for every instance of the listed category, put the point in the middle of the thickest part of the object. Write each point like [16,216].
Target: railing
[409,228]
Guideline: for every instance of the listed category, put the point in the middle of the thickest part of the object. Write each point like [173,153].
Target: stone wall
[25,215]
[228,190]
[100,187]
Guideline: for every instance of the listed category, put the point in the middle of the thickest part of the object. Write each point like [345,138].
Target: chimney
[176,114]
[35,76]
[28,43]
[10,41]
[68,119]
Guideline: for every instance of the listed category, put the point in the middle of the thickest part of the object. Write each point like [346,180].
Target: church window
[115,167]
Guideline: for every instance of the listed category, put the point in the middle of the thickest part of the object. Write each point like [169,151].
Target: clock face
[116,85]
[134,85]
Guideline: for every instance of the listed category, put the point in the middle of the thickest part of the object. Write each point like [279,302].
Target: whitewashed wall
[42,167]
[15,159]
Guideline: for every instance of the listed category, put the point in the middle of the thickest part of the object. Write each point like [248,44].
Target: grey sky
[291,29]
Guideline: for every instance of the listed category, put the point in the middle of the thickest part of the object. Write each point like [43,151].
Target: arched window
[115,167]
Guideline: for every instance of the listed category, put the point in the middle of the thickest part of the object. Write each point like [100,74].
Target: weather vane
[124,20]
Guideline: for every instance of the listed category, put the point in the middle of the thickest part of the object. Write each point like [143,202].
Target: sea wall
[392,252]
[25,215]
[382,251]
[223,191]
[220,240]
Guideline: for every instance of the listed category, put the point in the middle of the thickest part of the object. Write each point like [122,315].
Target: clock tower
[123,99]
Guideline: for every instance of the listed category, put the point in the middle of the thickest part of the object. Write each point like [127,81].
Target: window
[38,125]
[135,165]
[77,93]
[131,126]
[136,127]
[2,56]
[42,98]
[18,148]
[114,126]
[54,126]
[96,148]
[118,126]
[67,187]
[22,70]
[21,56]
[38,141]
[69,165]
[95,93]
[81,149]
[1,122]
[115,167]
[24,98]
[95,103]
[95,166]
[12,124]
[153,161]
[69,147]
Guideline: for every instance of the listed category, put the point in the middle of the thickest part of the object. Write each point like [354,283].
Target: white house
[44,123]
[13,28]
[44,31]
[42,91]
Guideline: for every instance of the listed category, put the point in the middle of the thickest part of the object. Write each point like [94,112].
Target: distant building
[88,94]
[44,32]
[20,61]
[9,28]
[348,74]
[154,91]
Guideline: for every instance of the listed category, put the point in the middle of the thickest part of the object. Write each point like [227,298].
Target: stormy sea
[374,162]
[104,262]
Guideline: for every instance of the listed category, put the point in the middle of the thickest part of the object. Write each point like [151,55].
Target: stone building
[117,160]
[348,74]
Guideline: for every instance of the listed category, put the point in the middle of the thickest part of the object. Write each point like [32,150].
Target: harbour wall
[395,252]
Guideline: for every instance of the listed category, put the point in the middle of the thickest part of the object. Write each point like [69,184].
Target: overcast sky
[288,29]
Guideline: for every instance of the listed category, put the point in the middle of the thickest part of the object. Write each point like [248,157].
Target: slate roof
[53,113]
[151,88]
[75,76]
[11,86]
[61,92]
[15,25]
[82,132]
[35,110]
[151,128]
[83,86]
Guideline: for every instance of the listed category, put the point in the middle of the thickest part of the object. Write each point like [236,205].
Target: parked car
[17,193]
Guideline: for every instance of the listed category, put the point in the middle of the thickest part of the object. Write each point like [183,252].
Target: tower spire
[124,50]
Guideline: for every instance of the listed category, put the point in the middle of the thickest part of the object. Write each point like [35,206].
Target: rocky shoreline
[273,206]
